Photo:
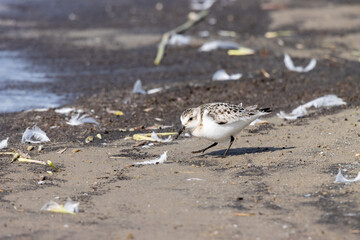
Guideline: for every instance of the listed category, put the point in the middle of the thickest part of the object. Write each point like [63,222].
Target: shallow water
[19,100]
[13,67]
[16,71]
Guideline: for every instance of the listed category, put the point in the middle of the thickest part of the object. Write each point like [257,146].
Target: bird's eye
[190,119]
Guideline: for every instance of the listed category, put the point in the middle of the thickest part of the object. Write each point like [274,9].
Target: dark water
[16,77]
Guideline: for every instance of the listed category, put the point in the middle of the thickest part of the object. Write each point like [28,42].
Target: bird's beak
[180,131]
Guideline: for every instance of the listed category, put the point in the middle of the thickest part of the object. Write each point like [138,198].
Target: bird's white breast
[210,130]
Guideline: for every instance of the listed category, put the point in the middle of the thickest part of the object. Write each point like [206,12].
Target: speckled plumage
[219,121]
[224,113]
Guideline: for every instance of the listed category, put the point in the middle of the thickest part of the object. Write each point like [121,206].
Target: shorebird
[219,122]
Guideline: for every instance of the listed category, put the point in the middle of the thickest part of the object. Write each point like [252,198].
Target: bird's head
[189,119]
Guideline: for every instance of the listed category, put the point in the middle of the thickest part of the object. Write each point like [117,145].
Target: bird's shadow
[242,151]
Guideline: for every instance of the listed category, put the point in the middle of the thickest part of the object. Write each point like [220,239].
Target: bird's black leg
[231,142]
[203,150]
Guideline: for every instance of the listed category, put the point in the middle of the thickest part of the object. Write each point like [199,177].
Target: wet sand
[277,183]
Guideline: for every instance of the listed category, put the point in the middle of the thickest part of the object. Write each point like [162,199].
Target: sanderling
[219,121]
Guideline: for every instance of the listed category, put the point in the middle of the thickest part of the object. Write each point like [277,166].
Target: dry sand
[277,183]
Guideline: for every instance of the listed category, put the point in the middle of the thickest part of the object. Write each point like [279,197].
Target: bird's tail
[256,109]
[265,110]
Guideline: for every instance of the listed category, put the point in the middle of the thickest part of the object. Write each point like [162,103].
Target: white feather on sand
[341,179]
[77,120]
[156,137]
[222,75]
[214,45]
[300,111]
[65,110]
[34,135]
[290,65]
[69,207]
[138,87]
[160,160]
[4,143]
[179,40]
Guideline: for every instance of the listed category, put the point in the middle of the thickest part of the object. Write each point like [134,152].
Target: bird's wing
[229,113]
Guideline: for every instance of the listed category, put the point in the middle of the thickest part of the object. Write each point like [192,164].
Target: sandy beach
[278,183]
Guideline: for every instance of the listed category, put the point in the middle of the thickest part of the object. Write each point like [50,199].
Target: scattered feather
[199,5]
[160,160]
[77,120]
[41,182]
[225,33]
[204,34]
[72,206]
[69,207]
[222,75]
[325,101]
[65,110]
[195,179]
[34,135]
[179,40]
[214,45]
[4,143]
[155,136]
[148,145]
[290,65]
[138,87]
[341,179]
[154,90]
